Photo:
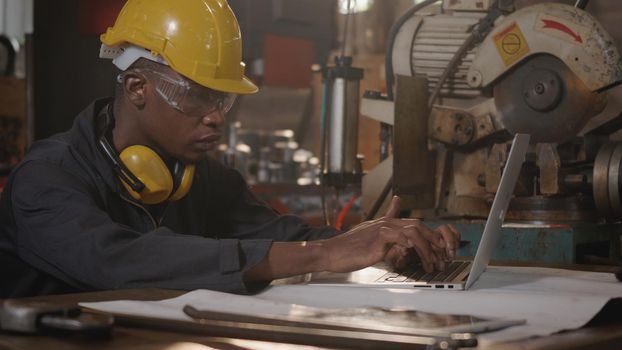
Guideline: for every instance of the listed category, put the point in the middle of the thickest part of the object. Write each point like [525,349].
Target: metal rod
[345,30]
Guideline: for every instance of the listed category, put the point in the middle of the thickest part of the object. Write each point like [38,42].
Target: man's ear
[135,89]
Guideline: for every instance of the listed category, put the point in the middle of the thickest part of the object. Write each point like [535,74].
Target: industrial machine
[468,77]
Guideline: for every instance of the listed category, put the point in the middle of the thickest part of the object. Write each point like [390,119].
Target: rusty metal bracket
[414,165]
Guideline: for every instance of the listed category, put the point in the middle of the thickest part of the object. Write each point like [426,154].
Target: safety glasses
[187,96]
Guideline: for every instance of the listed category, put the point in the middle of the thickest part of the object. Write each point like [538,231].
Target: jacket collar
[85,134]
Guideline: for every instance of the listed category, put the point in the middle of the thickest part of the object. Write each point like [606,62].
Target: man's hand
[364,245]
[390,238]
[400,257]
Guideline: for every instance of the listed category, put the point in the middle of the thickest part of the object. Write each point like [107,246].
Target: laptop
[459,274]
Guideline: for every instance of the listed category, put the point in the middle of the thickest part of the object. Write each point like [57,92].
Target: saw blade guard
[560,30]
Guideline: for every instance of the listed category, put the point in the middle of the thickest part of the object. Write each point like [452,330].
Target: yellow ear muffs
[150,169]
[142,172]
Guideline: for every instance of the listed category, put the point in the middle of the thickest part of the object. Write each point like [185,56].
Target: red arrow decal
[563,28]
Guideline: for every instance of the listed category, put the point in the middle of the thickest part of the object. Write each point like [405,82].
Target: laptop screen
[492,230]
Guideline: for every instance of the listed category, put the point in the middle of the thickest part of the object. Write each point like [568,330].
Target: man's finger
[427,266]
[431,236]
[450,239]
[454,230]
[441,254]
[394,208]
[424,250]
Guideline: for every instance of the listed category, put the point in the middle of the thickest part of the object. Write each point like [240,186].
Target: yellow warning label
[511,44]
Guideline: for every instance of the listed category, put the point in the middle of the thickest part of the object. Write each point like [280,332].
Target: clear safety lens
[200,101]
[191,98]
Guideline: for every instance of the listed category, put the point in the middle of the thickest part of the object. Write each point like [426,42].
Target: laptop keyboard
[454,271]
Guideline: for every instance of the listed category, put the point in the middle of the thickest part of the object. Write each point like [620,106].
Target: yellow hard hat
[199,39]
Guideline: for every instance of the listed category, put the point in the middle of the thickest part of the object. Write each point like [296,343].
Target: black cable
[477,35]
[388,64]
[9,69]
[466,45]
[607,128]
[581,4]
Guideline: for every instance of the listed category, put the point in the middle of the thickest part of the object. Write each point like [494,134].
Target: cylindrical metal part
[607,176]
[575,181]
[342,87]
[343,129]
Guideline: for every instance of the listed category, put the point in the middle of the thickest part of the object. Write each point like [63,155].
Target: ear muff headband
[144,174]
[126,176]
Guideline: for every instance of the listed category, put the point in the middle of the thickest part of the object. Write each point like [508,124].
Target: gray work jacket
[67,225]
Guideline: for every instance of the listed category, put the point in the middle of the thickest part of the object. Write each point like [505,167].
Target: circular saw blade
[543,98]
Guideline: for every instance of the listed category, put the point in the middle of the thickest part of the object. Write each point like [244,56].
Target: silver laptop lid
[492,230]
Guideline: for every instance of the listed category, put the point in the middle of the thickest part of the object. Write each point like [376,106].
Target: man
[128,198]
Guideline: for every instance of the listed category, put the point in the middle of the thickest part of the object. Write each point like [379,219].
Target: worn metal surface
[467,195]
[484,124]
[549,164]
[451,126]
[414,164]
[553,208]
[467,5]
[494,164]
[459,126]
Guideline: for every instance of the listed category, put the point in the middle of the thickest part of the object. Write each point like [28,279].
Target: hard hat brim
[243,87]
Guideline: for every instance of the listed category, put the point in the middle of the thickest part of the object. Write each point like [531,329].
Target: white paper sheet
[549,299]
